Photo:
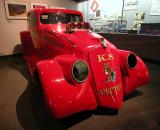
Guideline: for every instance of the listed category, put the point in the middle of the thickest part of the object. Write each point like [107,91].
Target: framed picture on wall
[16,10]
[38,5]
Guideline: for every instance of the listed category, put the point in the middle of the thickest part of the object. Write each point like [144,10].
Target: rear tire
[39,108]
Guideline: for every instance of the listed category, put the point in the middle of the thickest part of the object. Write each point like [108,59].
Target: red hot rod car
[78,70]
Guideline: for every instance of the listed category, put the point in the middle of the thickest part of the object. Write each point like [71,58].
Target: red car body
[78,69]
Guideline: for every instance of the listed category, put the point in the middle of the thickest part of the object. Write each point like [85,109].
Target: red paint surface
[52,52]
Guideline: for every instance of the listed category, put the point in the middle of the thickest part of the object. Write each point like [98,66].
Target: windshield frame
[60,18]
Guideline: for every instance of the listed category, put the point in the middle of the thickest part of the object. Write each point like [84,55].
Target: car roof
[58,10]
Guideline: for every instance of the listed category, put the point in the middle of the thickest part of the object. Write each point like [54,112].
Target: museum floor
[18,112]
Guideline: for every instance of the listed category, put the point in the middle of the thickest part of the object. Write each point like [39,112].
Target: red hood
[82,38]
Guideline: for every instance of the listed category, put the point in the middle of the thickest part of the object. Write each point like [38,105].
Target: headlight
[80,71]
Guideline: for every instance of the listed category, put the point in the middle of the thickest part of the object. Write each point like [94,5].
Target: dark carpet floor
[19,111]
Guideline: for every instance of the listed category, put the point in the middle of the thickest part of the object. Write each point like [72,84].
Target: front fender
[132,77]
[62,97]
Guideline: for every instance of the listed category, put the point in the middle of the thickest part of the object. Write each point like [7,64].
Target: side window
[45,18]
[32,19]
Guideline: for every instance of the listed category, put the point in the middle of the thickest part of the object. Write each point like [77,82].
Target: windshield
[53,18]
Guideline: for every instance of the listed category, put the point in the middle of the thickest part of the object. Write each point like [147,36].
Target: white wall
[9,29]
[84,8]
[107,8]
[111,7]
